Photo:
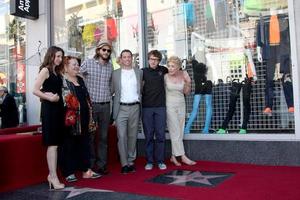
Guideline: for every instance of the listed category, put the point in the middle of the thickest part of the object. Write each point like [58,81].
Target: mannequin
[246,87]
[203,88]
[273,46]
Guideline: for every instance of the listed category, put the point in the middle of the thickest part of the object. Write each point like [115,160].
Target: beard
[104,57]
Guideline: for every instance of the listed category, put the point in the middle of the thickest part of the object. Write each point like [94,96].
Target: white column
[36,30]
[294,19]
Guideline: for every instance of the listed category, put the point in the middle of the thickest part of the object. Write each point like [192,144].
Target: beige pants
[175,122]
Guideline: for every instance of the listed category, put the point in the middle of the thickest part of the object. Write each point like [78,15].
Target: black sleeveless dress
[52,113]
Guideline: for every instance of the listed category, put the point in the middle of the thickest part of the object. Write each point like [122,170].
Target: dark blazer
[116,88]
[9,112]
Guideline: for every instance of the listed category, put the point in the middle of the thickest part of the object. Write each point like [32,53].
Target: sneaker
[222,131]
[71,178]
[243,131]
[162,166]
[149,166]
[291,110]
[267,111]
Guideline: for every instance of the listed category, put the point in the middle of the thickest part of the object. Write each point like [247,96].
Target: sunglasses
[106,50]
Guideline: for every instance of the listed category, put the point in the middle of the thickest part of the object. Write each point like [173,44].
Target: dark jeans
[288,89]
[234,95]
[154,123]
[74,154]
[286,83]
[101,115]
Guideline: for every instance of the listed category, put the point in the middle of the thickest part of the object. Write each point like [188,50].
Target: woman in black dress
[48,87]
[75,151]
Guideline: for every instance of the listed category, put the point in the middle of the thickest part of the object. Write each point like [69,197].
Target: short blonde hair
[176,60]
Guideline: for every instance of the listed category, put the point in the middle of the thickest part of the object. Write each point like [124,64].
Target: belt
[129,104]
[101,103]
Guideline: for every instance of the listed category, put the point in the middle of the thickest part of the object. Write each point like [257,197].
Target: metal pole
[142,34]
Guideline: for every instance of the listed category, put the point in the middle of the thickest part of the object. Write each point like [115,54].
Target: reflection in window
[12,57]
[80,25]
[233,39]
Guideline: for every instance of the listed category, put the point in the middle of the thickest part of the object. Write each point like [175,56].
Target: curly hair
[176,60]
[156,54]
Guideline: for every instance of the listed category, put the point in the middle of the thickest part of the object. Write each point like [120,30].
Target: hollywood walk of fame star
[197,177]
[78,191]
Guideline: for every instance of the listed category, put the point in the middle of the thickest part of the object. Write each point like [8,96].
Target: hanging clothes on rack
[274,40]
[251,7]
[203,88]
[236,87]
[210,18]
[189,13]
[111,26]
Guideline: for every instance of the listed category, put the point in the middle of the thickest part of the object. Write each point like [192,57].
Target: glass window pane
[12,57]
[245,48]
[80,25]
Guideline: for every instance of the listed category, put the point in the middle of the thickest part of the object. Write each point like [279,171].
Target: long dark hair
[49,59]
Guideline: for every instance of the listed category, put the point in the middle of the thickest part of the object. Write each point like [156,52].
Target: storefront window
[237,53]
[12,57]
[80,25]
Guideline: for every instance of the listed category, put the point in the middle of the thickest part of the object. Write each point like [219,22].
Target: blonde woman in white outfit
[177,84]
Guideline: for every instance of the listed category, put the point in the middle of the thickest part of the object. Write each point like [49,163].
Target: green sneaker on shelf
[222,131]
[243,131]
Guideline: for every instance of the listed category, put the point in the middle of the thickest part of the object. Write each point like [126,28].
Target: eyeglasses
[106,50]
[154,59]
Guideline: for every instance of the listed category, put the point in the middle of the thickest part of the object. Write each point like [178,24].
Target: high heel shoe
[54,183]
[187,161]
[174,161]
